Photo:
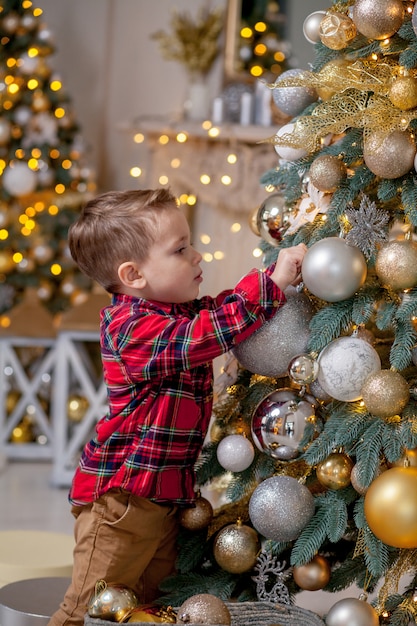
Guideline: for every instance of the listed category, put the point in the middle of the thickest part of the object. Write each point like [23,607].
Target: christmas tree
[314,438]
[44,179]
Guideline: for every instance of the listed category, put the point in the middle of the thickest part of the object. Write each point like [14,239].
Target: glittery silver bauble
[292,100]
[303,369]
[333,270]
[385,393]
[273,218]
[311,26]
[396,264]
[327,172]
[318,392]
[270,349]
[414,19]
[236,548]
[389,156]
[235,453]
[378,20]
[288,152]
[352,611]
[278,423]
[203,608]
[280,508]
[112,602]
[198,516]
[344,365]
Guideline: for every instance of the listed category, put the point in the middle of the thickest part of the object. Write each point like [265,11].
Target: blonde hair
[115,227]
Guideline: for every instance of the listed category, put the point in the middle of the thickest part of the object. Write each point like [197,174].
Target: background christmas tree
[314,438]
[44,176]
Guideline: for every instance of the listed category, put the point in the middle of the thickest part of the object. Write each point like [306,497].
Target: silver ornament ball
[303,369]
[311,26]
[272,219]
[280,508]
[278,423]
[270,349]
[292,100]
[333,270]
[352,611]
[235,453]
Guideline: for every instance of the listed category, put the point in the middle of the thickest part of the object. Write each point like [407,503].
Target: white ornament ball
[280,508]
[288,152]
[292,100]
[235,453]
[352,611]
[344,364]
[19,179]
[333,270]
[311,26]
[270,349]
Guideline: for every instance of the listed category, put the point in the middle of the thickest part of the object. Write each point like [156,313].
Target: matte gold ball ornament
[403,93]
[391,507]
[326,173]
[389,156]
[204,608]
[337,30]
[378,20]
[313,575]
[396,264]
[236,548]
[197,517]
[408,458]
[385,393]
[334,472]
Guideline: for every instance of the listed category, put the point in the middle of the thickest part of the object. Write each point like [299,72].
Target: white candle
[217,112]
[246,109]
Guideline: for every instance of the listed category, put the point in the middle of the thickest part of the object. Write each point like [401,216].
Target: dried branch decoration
[194,44]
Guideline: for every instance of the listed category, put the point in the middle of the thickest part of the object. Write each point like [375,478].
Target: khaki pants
[122,539]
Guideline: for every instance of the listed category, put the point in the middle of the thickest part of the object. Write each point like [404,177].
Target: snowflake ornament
[369,226]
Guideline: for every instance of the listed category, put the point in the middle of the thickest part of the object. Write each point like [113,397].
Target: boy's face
[172,269]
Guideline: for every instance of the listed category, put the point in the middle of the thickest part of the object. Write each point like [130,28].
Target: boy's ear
[130,275]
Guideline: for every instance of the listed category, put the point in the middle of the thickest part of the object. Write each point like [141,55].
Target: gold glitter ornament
[198,516]
[403,93]
[203,608]
[337,30]
[378,20]
[313,575]
[385,393]
[326,173]
[391,507]
[236,548]
[334,472]
[396,264]
[389,156]
[326,91]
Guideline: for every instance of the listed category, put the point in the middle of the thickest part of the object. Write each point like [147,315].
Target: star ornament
[369,226]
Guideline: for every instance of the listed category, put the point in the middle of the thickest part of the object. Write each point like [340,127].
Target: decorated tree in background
[44,178]
[314,439]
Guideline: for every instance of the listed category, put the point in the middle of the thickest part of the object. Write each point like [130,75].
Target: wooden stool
[31,602]
[34,554]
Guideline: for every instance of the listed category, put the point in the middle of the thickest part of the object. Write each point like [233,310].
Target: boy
[157,343]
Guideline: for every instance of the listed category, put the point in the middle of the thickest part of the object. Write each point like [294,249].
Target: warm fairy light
[59,112]
[30,211]
[33,164]
[260,27]
[56,269]
[26,4]
[235,227]
[33,83]
[374,57]
[226,180]
[59,188]
[205,179]
[54,153]
[214,132]
[13,88]
[17,257]
[182,137]
[232,158]
[205,239]
[246,32]
[20,153]
[36,153]
[7,104]
[9,79]
[37,12]
[3,234]
[11,62]
[257,253]
[163,140]
[192,200]
[175,163]
[207,257]
[33,52]
[279,56]
[256,70]
[206,125]
[139,138]
[53,209]
[66,164]
[163,180]
[260,49]
[135,172]
[23,219]
[5,321]
[55,85]
[218,255]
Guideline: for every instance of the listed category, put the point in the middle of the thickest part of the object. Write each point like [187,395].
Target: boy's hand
[287,270]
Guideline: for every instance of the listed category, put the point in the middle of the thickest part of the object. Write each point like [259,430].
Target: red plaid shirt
[157,361]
